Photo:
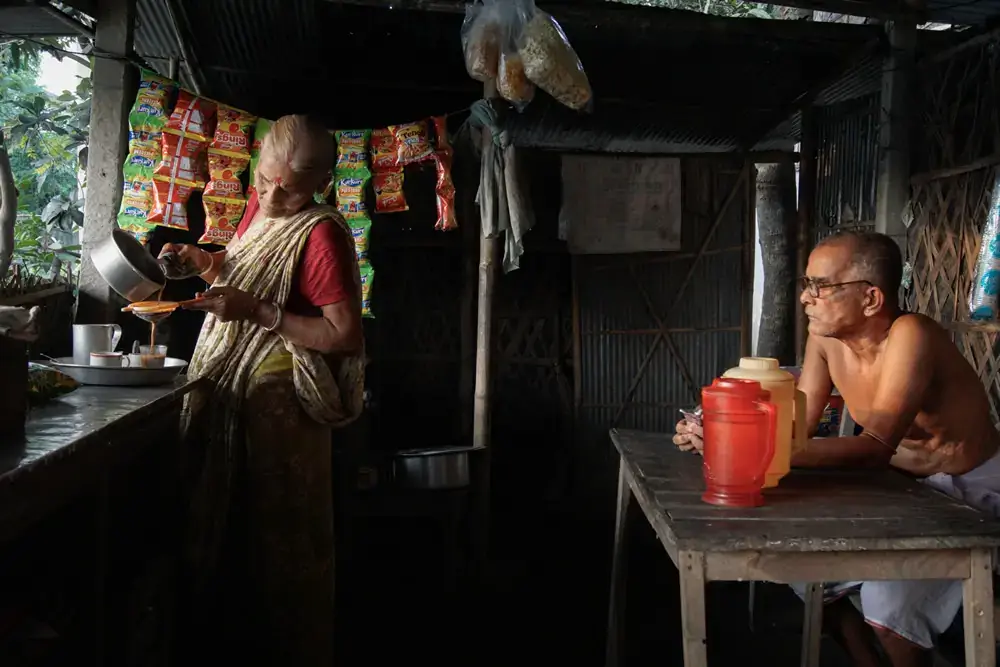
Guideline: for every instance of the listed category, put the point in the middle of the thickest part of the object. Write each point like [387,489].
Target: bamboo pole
[807,207]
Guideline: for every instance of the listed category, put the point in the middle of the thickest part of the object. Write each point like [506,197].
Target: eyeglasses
[814,286]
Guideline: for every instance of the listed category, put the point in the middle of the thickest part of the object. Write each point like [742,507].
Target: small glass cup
[149,357]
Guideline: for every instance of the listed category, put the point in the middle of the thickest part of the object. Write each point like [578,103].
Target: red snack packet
[412,142]
[222,216]
[183,159]
[441,142]
[170,199]
[389,196]
[383,150]
[445,191]
[232,132]
[193,116]
[224,170]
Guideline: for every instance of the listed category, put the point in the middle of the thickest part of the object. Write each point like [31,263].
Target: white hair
[301,142]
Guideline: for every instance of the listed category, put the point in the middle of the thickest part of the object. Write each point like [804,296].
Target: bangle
[877,439]
[211,265]
[279,315]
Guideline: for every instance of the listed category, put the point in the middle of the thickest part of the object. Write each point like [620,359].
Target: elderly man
[923,410]
[259,530]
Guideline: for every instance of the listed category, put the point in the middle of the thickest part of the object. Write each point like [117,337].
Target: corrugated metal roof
[963,12]
[31,21]
[713,90]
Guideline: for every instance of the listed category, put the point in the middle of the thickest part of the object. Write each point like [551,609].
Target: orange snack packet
[170,200]
[389,196]
[441,142]
[222,217]
[445,192]
[232,131]
[183,159]
[193,117]
[383,150]
[412,142]
[224,171]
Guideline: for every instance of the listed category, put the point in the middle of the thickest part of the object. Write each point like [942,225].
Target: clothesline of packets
[180,143]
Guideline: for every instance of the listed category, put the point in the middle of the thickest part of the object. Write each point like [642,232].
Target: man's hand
[689,436]
[228,304]
[189,254]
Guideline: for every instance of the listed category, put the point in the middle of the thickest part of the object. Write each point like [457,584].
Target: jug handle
[771,416]
[116,336]
[800,426]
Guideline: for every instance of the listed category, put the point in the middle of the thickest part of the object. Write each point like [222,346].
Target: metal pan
[438,468]
[119,377]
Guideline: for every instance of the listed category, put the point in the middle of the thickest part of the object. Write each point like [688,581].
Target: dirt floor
[545,598]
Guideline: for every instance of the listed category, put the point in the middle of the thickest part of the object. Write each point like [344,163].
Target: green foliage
[47,143]
[732,8]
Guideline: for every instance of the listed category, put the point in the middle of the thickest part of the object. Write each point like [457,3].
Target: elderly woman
[282,352]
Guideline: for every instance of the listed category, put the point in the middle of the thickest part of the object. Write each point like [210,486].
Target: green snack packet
[367,277]
[361,228]
[260,130]
[153,103]
[352,152]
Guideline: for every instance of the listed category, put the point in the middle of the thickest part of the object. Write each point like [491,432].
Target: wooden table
[816,526]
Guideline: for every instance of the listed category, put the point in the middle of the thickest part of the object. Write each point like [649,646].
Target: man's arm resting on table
[901,389]
[337,330]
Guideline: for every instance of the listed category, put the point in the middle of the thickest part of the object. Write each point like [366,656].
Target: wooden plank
[812,510]
[977,611]
[791,567]
[812,625]
[615,644]
[694,636]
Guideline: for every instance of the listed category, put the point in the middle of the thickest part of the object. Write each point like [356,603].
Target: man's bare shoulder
[914,328]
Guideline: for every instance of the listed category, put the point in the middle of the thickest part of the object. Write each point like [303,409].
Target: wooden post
[807,209]
[893,189]
[748,257]
[481,401]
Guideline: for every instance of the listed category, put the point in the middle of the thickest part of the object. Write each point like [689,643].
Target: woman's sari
[258,544]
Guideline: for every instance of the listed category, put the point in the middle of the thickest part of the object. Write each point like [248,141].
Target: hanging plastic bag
[512,83]
[481,41]
[551,63]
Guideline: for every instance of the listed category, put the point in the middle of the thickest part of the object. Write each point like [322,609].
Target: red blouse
[323,275]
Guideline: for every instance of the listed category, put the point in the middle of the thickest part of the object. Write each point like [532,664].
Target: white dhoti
[921,610]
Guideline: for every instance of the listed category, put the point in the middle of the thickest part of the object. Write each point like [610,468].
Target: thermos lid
[734,388]
[760,363]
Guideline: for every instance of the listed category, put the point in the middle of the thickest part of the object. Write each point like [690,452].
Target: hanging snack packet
[512,83]
[351,195]
[136,206]
[441,141]
[193,117]
[183,158]
[481,31]
[260,131]
[352,150]
[224,170]
[232,131]
[170,199]
[222,217]
[389,196]
[152,103]
[384,152]
[361,229]
[367,277]
[445,192]
[144,153]
[412,142]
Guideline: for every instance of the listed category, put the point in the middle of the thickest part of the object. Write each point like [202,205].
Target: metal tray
[120,377]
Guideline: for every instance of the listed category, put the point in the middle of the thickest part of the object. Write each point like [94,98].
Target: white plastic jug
[791,410]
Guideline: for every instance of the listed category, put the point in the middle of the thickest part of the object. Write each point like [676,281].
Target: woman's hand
[190,255]
[228,304]
[689,436]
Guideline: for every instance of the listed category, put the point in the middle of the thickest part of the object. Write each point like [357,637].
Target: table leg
[977,610]
[691,565]
[812,625]
[615,644]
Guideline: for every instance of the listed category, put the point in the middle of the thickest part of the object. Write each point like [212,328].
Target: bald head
[302,143]
[873,257]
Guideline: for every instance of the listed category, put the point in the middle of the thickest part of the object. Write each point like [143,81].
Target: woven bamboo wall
[954,145]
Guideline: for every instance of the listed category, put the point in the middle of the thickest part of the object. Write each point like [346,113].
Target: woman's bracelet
[877,439]
[211,266]
[279,316]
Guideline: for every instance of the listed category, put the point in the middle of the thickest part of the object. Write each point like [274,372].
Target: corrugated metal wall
[846,165]
[623,380]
